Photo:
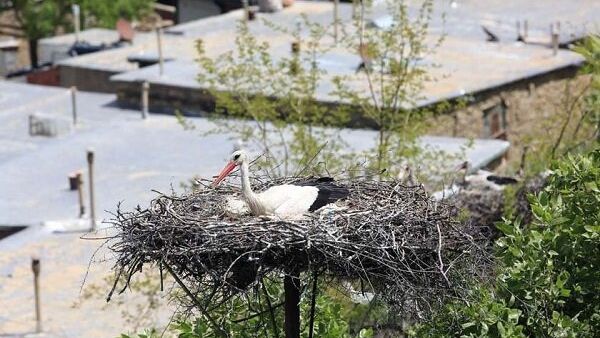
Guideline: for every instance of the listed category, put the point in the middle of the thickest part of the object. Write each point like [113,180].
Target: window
[494,121]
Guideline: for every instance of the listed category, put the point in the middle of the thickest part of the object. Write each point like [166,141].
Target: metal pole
[555,37]
[160,53]
[80,194]
[35,266]
[291,287]
[525,29]
[145,99]
[246,10]
[74,104]
[336,4]
[90,160]
[76,20]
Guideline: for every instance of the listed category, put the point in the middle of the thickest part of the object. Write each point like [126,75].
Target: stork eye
[236,157]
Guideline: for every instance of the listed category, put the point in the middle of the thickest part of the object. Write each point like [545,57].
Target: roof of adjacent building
[133,156]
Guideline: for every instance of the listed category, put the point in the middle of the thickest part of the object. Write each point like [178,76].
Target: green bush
[548,282]
[552,266]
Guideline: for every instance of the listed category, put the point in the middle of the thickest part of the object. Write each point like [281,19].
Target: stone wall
[164,98]
[530,105]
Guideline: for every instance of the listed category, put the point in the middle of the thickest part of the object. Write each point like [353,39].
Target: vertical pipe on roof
[35,267]
[90,160]
[74,104]
[160,51]
[80,194]
[145,99]
[76,20]
[554,38]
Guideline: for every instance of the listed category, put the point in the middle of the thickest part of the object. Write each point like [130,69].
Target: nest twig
[390,237]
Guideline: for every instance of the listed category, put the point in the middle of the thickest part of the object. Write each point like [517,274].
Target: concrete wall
[86,79]
[189,10]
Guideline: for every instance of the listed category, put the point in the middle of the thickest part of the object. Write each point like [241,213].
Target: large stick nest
[390,237]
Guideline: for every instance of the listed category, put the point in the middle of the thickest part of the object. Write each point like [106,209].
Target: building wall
[86,79]
[189,10]
[164,98]
[532,108]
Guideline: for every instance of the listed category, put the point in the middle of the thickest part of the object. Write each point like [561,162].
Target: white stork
[287,201]
[484,179]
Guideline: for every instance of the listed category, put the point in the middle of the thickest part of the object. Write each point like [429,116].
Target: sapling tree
[271,102]
[395,72]
[276,102]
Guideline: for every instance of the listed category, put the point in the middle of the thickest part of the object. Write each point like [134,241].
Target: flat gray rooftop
[133,156]
[467,63]
[462,18]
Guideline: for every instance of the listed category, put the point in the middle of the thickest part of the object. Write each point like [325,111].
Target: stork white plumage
[287,201]
[484,179]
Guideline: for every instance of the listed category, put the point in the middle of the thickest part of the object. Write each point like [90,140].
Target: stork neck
[250,197]
[467,170]
[246,188]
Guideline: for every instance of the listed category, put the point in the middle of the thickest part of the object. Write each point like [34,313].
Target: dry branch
[390,237]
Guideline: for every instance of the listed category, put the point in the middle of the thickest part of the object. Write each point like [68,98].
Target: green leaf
[501,329]
[513,315]
[468,324]
[506,227]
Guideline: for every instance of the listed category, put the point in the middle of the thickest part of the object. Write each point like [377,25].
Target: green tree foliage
[101,13]
[40,19]
[548,280]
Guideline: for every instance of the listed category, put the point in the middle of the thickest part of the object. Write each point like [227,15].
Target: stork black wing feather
[502,180]
[329,192]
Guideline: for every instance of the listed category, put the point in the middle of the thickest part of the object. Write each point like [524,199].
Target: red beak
[228,168]
[460,166]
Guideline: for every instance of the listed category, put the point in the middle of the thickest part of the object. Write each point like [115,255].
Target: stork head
[464,165]
[237,158]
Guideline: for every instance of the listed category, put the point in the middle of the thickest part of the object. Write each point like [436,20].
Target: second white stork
[287,201]
[484,179]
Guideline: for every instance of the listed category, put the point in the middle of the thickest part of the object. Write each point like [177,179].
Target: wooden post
[336,6]
[291,287]
[74,104]
[35,267]
[525,29]
[80,194]
[90,160]
[145,99]
[160,52]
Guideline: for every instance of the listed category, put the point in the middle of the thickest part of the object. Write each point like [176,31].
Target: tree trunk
[33,44]
[291,286]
